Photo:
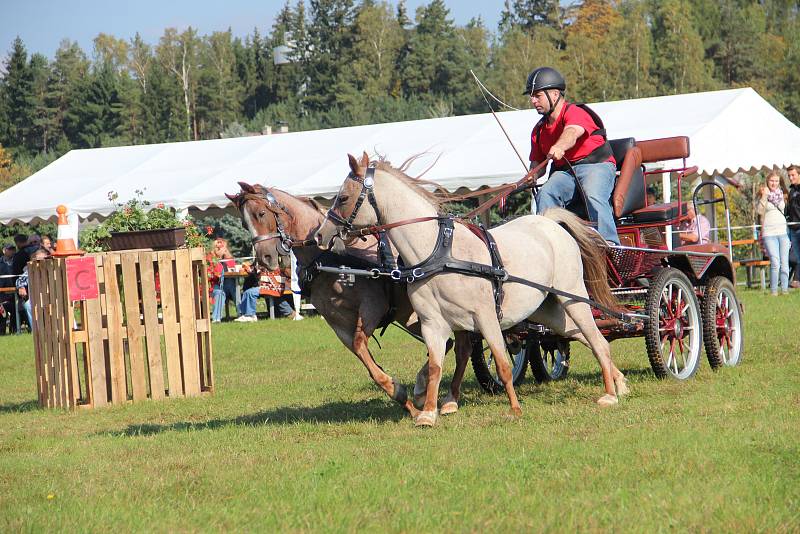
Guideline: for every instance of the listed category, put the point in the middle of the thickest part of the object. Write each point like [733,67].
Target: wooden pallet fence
[147,336]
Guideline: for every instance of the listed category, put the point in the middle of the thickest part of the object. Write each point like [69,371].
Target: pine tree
[68,73]
[43,120]
[217,95]
[528,14]
[19,96]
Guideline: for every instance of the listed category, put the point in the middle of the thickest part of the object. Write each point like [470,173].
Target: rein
[367,191]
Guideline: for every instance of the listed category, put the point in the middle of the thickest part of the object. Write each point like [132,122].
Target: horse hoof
[514,413]
[425,419]
[607,400]
[622,387]
[419,400]
[449,407]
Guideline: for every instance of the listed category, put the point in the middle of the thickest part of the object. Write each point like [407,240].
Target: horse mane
[414,183]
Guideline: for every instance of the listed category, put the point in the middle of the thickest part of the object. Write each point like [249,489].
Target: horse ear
[247,188]
[365,160]
[232,198]
[353,163]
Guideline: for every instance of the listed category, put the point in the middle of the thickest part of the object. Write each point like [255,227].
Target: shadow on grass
[594,377]
[26,406]
[332,412]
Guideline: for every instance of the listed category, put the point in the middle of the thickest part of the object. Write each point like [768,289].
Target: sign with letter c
[82,278]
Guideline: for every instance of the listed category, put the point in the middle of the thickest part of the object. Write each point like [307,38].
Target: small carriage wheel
[673,334]
[723,335]
[549,359]
[485,372]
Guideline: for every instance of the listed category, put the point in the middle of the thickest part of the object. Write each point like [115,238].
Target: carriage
[680,298]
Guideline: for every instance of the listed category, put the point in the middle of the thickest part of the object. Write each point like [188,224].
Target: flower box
[159,239]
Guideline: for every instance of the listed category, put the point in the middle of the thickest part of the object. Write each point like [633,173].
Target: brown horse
[277,220]
[555,250]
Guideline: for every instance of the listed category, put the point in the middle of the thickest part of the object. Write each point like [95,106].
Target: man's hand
[764,191]
[556,152]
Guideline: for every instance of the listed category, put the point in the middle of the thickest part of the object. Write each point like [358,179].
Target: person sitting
[651,196]
[261,282]
[223,288]
[687,230]
[573,137]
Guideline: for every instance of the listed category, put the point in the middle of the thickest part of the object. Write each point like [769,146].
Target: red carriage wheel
[723,335]
[673,334]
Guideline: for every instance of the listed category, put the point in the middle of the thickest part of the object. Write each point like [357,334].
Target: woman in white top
[770,207]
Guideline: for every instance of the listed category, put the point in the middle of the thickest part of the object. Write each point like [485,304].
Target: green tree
[18,92]
[217,93]
[528,14]
[178,55]
[326,51]
[43,120]
[592,47]
[679,61]
[68,73]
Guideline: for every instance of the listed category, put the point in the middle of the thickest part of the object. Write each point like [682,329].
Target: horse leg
[463,348]
[490,330]
[394,389]
[421,384]
[436,339]
[581,315]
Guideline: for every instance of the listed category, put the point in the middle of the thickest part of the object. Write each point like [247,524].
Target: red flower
[209,230]
[126,211]
[160,205]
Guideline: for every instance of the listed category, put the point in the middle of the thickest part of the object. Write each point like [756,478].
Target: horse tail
[592,247]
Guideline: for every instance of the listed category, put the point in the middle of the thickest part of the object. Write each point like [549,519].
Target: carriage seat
[659,213]
[630,192]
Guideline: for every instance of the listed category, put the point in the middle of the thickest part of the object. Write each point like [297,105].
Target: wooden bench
[753,263]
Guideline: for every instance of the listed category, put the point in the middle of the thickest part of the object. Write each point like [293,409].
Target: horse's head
[349,209]
[274,225]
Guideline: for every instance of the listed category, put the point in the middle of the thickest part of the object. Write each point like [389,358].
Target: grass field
[298,438]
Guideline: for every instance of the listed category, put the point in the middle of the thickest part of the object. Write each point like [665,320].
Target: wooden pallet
[147,336]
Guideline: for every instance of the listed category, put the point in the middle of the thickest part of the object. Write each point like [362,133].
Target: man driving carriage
[573,136]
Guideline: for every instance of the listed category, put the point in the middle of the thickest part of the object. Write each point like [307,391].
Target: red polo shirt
[549,134]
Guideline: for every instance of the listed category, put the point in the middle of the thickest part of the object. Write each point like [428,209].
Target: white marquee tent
[730,130]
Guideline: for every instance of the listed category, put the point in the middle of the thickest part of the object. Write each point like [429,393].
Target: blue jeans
[597,180]
[778,250]
[27,306]
[250,297]
[221,293]
[794,237]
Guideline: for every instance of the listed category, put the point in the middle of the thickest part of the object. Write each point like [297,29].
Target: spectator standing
[21,256]
[793,217]
[7,311]
[770,207]
[22,285]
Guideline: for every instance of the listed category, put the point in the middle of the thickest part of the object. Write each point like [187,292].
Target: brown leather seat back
[664,149]
[629,192]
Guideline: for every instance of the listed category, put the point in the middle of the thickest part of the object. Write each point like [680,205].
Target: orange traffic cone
[65,245]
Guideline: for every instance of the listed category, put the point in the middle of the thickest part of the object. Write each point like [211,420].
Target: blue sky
[43,24]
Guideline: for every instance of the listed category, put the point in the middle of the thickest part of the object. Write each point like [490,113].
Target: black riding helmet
[546,78]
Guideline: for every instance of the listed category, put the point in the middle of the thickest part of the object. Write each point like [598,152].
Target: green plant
[136,214]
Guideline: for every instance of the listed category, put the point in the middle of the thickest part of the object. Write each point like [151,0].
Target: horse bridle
[367,192]
[286,242]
